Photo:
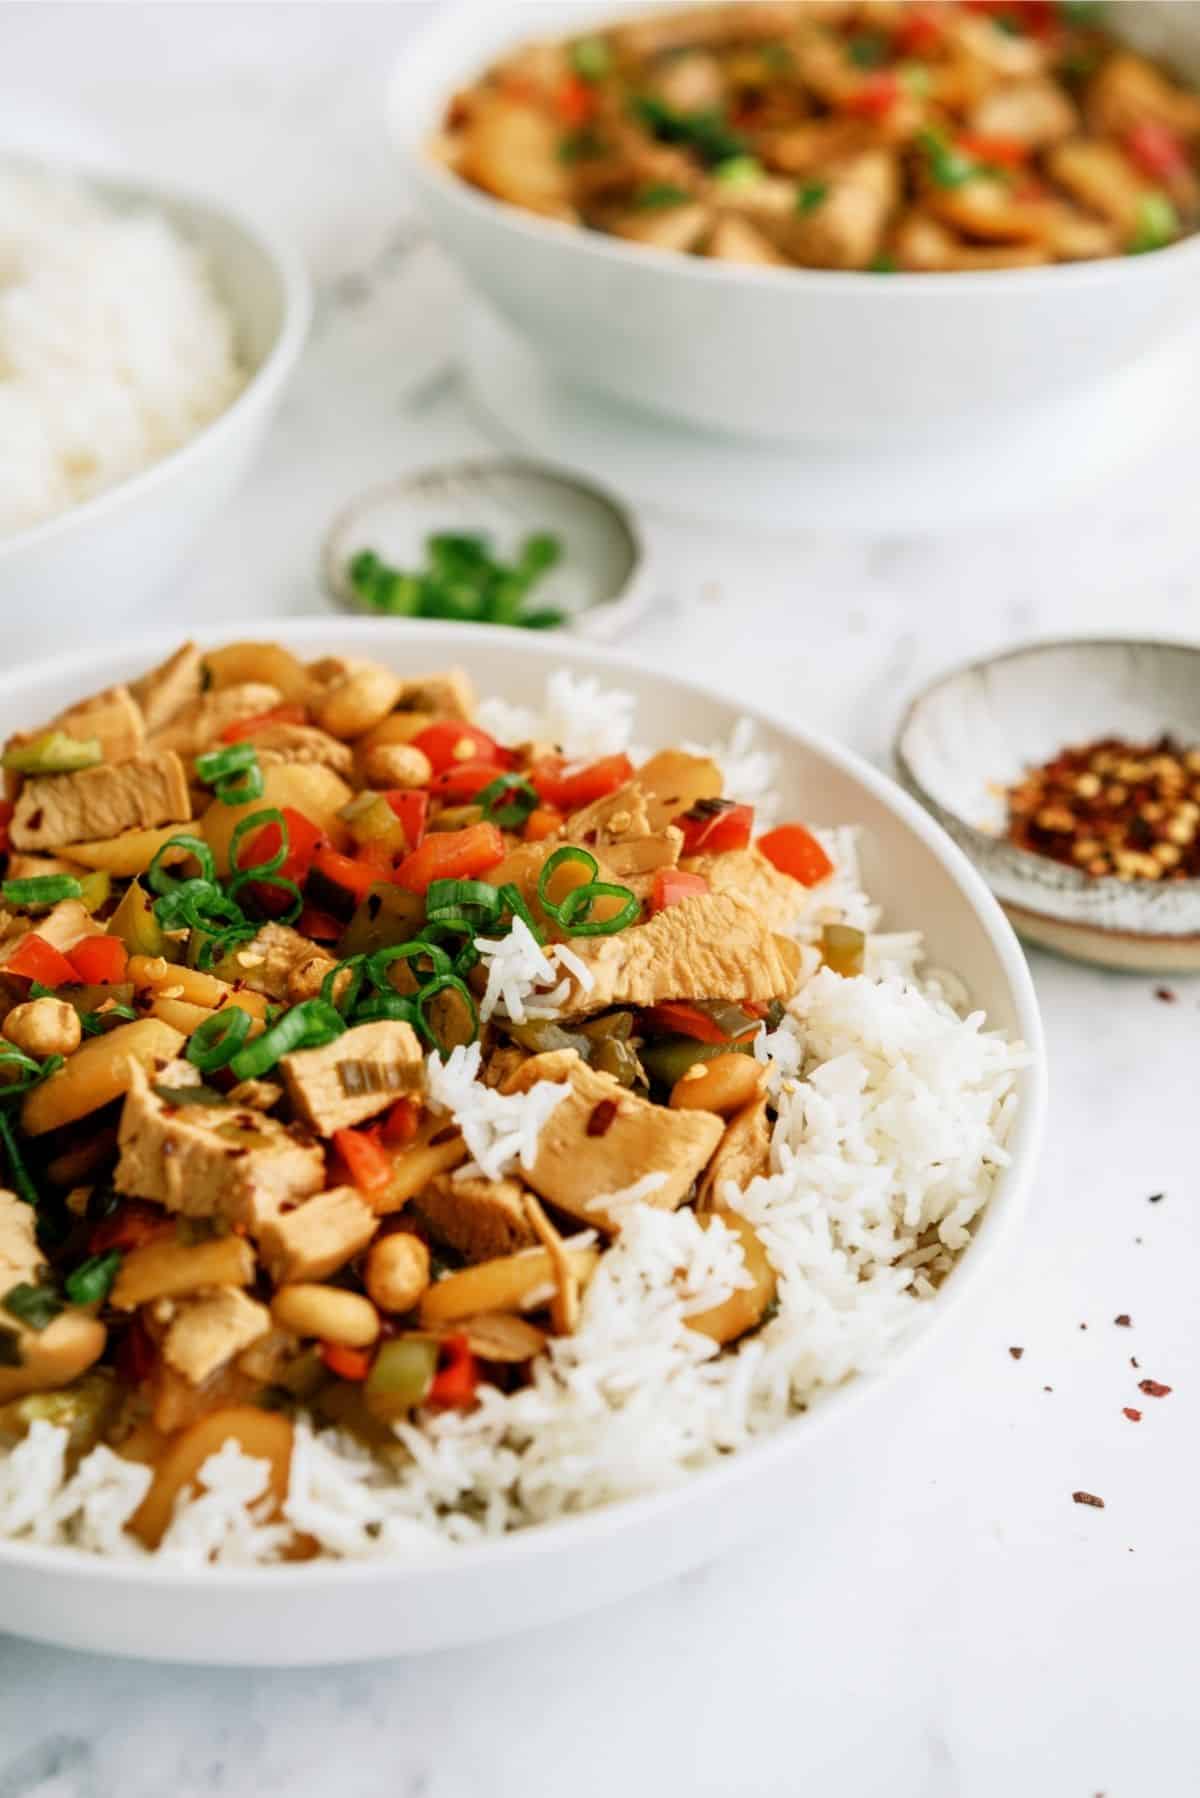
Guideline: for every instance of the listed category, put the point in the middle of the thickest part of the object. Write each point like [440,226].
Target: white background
[959,1627]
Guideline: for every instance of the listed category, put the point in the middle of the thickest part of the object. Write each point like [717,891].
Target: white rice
[893,1112]
[114,348]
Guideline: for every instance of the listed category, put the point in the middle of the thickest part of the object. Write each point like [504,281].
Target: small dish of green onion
[497,542]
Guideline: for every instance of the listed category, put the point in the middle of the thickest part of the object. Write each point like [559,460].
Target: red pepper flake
[1156,1198]
[1125,1321]
[1083,1326]
[1016,1353]
[602,1116]
[1129,1412]
[1165,994]
[1133,1361]
[1088,1498]
[1047,1389]
[1153,1388]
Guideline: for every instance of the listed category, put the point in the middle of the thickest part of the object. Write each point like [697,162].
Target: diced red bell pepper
[346,1363]
[354,876]
[131,1226]
[996,152]
[36,959]
[918,33]
[541,823]
[1156,150]
[367,1161]
[455,1382]
[575,101]
[304,839]
[448,741]
[411,806]
[568,791]
[136,1359]
[319,925]
[875,96]
[249,727]
[672,886]
[677,1017]
[714,826]
[99,960]
[451,855]
[795,851]
[6,811]
[401,1123]
[463,781]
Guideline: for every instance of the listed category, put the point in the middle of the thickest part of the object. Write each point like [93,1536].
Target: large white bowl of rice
[911,1113]
[145,339]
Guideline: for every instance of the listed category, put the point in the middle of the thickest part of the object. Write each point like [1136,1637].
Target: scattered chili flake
[1083,1326]
[1125,1321]
[1016,1353]
[1134,1362]
[1129,1412]
[1156,1198]
[601,1118]
[1153,1388]
[1088,1498]
[1165,994]
[1047,1389]
[1130,811]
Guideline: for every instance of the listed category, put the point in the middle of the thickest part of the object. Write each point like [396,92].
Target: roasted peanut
[397,1271]
[359,702]
[397,765]
[722,1085]
[44,1027]
[327,1312]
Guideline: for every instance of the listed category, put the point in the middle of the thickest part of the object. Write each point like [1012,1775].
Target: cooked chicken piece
[198,724]
[714,947]
[355,1077]
[742,1154]
[302,743]
[1127,90]
[256,1095]
[846,230]
[1102,178]
[283,964]
[1034,111]
[922,244]
[112,717]
[666,228]
[477,1218]
[1075,236]
[169,687]
[206,1333]
[737,240]
[510,149]
[646,854]
[692,82]
[987,209]
[673,781]
[212,1161]
[316,1237]
[1000,52]
[619,817]
[601,1140]
[54,809]
[448,695]
[778,900]
[812,145]
[37,1360]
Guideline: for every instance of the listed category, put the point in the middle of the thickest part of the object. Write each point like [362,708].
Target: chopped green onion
[307,1026]
[35,1306]
[54,752]
[445,983]
[33,1072]
[1157,224]
[917,79]
[574,912]
[255,822]
[581,145]
[94,1023]
[704,131]
[810,196]
[160,881]
[570,852]
[591,58]
[20,1173]
[379,964]
[220,943]
[197,905]
[507,801]
[947,167]
[41,889]
[215,1042]
[657,196]
[512,900]
[438,929]
[463,580]
[883,264]
[462,898]
[739,171]
[356,967]
[869,50]
[217,765]
[394,1007]
[92,1281]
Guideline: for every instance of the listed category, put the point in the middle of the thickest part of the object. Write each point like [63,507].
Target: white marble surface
[969,1630]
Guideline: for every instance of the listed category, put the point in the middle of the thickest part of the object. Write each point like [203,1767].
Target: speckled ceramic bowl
[974,731]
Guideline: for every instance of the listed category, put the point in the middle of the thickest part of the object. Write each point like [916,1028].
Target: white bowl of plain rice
[910,1107]
[145,339]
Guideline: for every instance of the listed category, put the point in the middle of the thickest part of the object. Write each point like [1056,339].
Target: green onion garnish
[41,889]
[217,1040]
[1157,224]
[445,983]
[810,196]
[591,58]
[869,50]
[657,196]
[54,752]
[160,880]
[947,167]
[30,1072]
[463,580]
[233,773]
[391,1007]
[739,171]
[379,964]
[574,912]
[511,899]
[460,929]
[20,1173]
[507,801]
[92,1281]
[356,967]
[307,1026]
[36,1306]
[94,1022]
[463,899]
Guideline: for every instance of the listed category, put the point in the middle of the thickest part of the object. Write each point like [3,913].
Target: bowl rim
[1047,885]
[758,1457]
[431,66]
[296,311]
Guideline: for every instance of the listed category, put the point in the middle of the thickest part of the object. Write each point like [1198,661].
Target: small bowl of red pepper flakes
[1069,772]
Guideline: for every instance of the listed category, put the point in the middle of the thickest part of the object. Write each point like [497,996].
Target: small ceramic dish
[601,583]
[975,731]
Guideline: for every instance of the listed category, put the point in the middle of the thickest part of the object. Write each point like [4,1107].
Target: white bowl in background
[327,1612]
[100,558]
[789,354]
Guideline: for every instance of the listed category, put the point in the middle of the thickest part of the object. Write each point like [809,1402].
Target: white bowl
[104,556]
[332,1612]
[793,354]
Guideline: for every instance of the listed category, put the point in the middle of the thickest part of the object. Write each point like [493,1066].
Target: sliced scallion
[445,983]
[507,801]
[41,889]
[574,914]
[217,1040]
[35,1306]
[92,1281]
[307,1026]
